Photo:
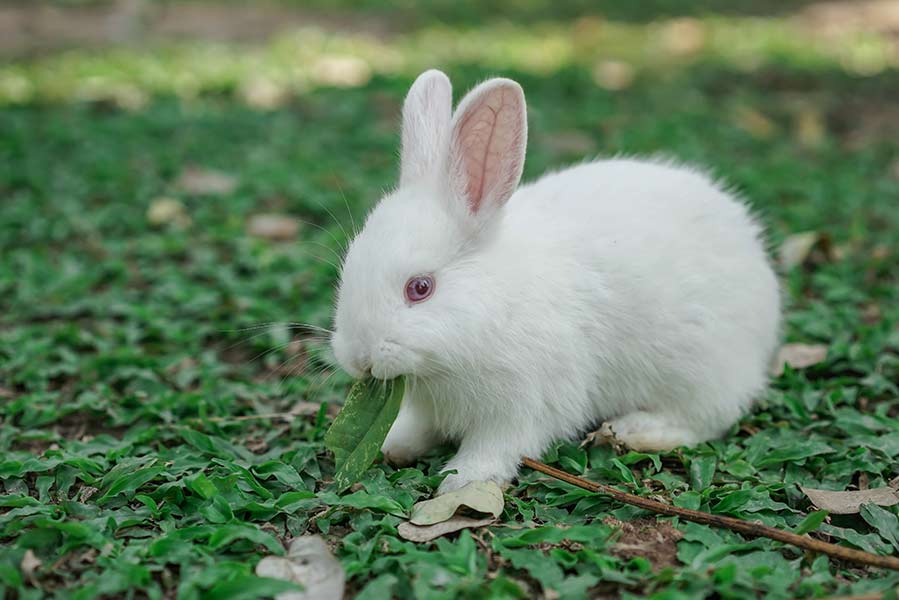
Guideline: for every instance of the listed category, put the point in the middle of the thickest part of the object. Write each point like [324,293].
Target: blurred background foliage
[178,178]
[183,48]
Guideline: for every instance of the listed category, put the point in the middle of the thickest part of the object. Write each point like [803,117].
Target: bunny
[638,292]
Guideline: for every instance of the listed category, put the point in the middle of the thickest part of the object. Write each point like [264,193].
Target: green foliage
[138,361]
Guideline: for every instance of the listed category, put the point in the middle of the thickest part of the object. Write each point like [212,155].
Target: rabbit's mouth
[390,359]
[384,360]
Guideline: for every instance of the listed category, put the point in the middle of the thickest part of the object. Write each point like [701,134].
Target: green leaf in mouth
[358,431]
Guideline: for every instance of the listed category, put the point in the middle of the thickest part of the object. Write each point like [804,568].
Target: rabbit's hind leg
[653,432]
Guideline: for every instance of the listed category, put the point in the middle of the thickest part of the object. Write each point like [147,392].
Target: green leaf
[733,501]
[884,521]
[378,588]
[250,587]
[131,482]
[811,522]
[702,470]
[691,500]
[200,484]
[226,534]
[18,501]
[218,510]
[358,431]
[553,535]
[869,542]
[795,453]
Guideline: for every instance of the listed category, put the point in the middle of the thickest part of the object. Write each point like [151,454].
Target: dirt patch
[656,541]
[842,16]
[27,28]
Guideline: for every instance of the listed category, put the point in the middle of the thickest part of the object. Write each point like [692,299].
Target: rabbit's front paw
[475,470]
[405,443]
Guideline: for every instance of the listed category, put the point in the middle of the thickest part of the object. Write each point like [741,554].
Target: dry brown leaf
[604,436]
[798,356]
[30,563]
[205,182]
[881,252]
[799,248]
[426,533]
[309,563]
[86,493]
[809,127]
[341,71]
[613,75]
[754,123]
[480,496]
[273,227]
[850,502]
[683,36]
[168,211]
[305,408]
[264,93]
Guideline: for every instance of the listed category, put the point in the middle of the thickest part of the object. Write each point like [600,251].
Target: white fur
[623,290]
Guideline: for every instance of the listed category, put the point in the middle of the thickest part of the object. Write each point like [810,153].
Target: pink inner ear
[488,135]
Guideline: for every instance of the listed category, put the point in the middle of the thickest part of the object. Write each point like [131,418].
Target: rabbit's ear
[426,119]
[487,145]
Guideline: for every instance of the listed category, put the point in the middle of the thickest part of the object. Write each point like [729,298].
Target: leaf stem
[745,527]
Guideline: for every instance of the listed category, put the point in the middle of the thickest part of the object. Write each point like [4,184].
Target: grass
[131,353]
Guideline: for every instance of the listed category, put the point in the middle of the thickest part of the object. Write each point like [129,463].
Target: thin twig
[287,416]
[745,527]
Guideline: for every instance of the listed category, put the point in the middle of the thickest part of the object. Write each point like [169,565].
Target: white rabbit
[637,292]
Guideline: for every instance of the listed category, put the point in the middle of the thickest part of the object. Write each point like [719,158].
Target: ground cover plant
[169,213]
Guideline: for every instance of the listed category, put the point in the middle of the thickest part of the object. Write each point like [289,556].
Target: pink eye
[419,288]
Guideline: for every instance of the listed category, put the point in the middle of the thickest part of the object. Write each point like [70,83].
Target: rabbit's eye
[419,288]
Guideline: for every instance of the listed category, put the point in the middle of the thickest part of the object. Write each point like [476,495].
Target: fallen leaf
[809,127]
[881,251]
[30,563]
[310,564]
[256,445]
[480,496]
[426,533]
[871,313]
[273,227]
[86,493]
[613,75]
[341,71]
[305,408]
[754,123]
[863,480]
[604,436]
[797,249]
[265,93]
[798,356]
[205,182]
[849,502]
[168,211]
[683,36]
